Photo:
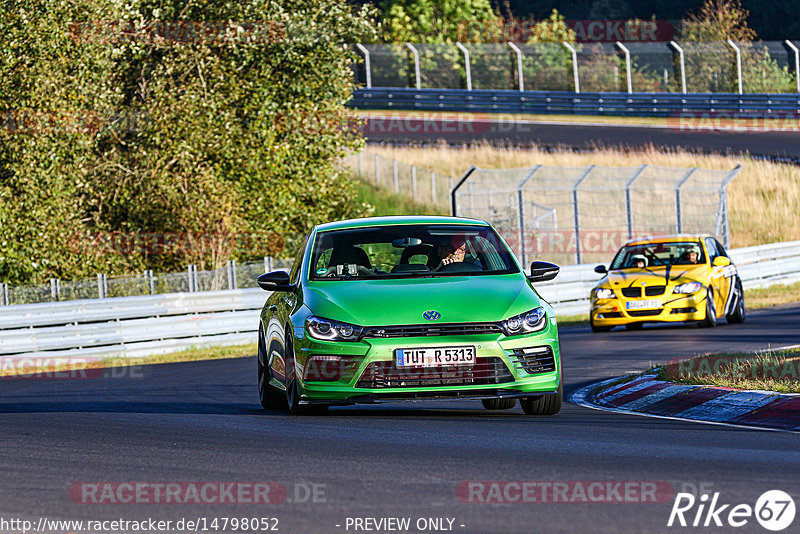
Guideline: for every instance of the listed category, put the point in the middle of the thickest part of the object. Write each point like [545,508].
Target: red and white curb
[646,395]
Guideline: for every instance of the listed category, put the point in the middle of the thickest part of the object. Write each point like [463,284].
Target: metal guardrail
[136,326]
[570,103]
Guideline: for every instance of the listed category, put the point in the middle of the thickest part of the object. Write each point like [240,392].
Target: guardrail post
[627,65]
[148,275]
[414,182]
[738,63]
[433,188]
[678,209]
[454,189]
[377,169]
[682,60]
[519,65]
[4,290]
[416,64]
[466,64]
[628,203]
[796,62]
[723,227]
[367,67]
[102,287]
[574,66]
[231,266]
[192,278]
[55,289]
[396,174]
[576,211]
[521,212]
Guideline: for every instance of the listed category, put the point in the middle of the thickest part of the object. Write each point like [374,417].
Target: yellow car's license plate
[642,304]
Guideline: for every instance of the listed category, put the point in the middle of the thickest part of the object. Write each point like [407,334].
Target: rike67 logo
[774,510]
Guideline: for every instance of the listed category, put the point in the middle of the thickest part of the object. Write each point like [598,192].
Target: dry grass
[772,296]
[763,199]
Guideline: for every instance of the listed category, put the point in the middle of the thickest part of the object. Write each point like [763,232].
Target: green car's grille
[424,330]
[385,375]
[534,360]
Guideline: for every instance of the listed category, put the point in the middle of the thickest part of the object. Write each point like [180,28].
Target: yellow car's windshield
[659,254]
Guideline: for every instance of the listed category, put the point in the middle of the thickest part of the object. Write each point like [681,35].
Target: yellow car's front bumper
[675,308]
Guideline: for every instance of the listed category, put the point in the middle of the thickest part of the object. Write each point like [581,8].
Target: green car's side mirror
[542,271]
[275,281]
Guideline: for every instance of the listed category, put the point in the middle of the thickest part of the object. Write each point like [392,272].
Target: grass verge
[54,365]
[384,202]
[772,296]
[777,371]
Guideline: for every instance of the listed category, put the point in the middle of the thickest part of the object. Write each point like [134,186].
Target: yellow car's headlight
[688,288]
[603,293]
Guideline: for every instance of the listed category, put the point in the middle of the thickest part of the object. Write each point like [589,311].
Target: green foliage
[170,133]
[438,21]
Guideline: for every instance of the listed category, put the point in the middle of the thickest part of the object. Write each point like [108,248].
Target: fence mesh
[584,214]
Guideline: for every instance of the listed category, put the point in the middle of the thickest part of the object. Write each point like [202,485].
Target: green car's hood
[402,301]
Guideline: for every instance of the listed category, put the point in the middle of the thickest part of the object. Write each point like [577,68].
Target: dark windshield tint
[409,251]
[658,254]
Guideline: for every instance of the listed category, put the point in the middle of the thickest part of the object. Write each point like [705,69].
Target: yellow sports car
[676,278]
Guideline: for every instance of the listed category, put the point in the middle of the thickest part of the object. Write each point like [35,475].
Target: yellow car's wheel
[711,311]
[596,328]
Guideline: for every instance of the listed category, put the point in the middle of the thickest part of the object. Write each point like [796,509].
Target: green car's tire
[293,395]
[711,312]
[544,404]
[499,404]
[270,398]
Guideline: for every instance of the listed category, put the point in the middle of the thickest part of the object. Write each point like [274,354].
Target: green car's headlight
[327,330]
[603,293]
[688,288]
[525,323]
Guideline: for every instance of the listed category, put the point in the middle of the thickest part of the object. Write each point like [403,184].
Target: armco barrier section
[569,103]
[137,326]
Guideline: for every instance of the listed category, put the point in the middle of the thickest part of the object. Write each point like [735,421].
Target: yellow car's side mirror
[721,261]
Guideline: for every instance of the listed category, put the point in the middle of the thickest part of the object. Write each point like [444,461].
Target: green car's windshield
[658,254]
[409,251]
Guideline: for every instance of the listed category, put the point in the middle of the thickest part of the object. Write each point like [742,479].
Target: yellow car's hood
[656,276]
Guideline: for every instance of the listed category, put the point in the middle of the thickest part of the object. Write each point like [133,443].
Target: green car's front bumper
[365,371]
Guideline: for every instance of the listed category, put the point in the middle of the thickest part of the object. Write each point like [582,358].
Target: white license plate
[642,304]
[435,357]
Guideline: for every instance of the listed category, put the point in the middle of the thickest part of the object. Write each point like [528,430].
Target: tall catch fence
[646,67]
[584,214]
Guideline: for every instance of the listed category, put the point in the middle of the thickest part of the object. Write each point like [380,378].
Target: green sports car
[407,308]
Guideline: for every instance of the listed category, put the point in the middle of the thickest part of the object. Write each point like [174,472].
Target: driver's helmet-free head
[638,258]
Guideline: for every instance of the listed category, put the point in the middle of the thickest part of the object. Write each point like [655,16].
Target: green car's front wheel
[498,404]
[544,404]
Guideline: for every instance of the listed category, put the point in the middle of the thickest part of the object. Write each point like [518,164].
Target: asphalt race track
[429,127]
[201,422]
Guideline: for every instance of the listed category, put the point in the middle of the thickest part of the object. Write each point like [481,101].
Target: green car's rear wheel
[498,404]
